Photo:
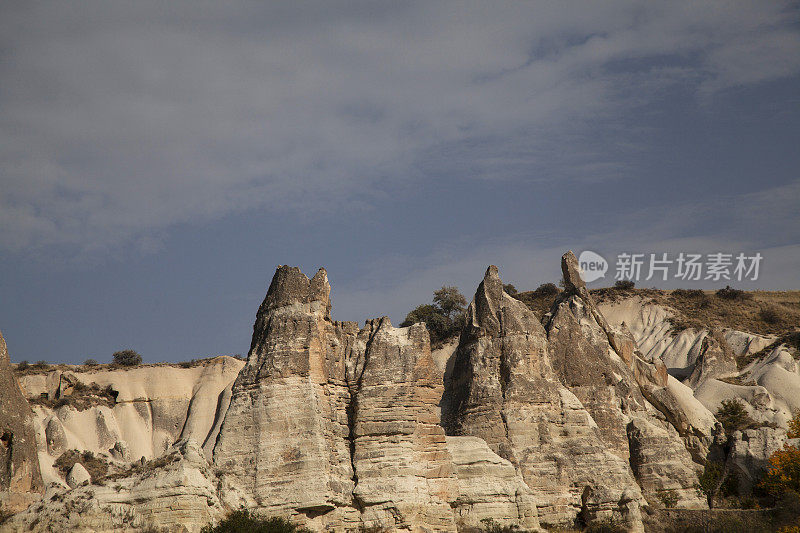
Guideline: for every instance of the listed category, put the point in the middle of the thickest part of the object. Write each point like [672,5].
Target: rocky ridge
[528,422]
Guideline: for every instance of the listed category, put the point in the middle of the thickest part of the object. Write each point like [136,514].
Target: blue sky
[157,162]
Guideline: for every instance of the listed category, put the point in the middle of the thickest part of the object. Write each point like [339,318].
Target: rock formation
[178,492]
[335,426]
[285,439]
[504,390]
[562,421]
[627,396]
[20,479]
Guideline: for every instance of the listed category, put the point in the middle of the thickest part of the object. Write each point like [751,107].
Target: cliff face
[20,479]
[574,418]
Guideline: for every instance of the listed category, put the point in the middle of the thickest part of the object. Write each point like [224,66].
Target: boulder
[78,475]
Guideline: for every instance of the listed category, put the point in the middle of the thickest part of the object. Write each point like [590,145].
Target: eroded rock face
[505,391]
[403,469]
[489,487]
[336,426]
[659,462]
[179,494]
[20,479]
[285,437]
[715,359]
[602,367]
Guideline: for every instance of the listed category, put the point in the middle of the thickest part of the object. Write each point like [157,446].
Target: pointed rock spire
[571,271]
[289,285]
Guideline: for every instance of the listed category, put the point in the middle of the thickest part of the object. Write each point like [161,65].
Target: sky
[159,160]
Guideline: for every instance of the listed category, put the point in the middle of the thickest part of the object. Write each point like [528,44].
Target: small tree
[783,474]
[127,358]
[624,284]
[510,289]
[449,301]
[443,318]
[546,289]
[90,362]
[23,365]
[733,416]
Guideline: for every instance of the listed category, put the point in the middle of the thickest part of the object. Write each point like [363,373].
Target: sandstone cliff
[20,480]
[531,423]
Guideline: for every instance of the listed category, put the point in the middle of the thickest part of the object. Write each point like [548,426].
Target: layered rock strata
[337,426]
[505,391]
[20,478]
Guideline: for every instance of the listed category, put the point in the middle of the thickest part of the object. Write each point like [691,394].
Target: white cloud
[122,120]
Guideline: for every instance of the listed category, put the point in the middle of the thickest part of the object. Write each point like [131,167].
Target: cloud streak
[122,120]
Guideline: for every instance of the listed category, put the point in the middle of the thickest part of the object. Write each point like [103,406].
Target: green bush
[689,293]
[127,358]
[243,521]
[510,289]
[443,318]
[668,497]
[733,416]
[91,362]
[23,365]
[624,285]
[546,289]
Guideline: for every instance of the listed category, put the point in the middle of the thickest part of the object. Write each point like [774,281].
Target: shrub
[491,526]
[770,315]
[23,365]
[733,416]
[546,289]
[729,293]
[127,358]
[783,474]
[242,521]
[443,318]
[624,285]
[689,293]
[90,362]
[510,289]
[668,497]
[95,465]
[41,364]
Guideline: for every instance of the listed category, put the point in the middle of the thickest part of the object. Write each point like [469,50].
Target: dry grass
[81,398]
[100,367]
[95,465]
[761,312]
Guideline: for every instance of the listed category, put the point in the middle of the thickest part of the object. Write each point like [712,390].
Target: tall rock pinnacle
[20,478]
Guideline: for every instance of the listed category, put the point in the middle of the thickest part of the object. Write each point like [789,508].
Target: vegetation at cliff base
[242,521]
